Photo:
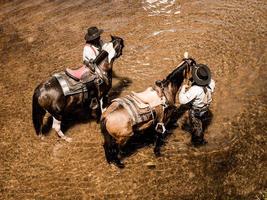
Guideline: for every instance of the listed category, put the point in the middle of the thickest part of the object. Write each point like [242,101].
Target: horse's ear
[112,37]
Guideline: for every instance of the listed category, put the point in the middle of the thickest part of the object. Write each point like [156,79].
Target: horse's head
[182,71]
[118,45]
[174,80]
[110,50]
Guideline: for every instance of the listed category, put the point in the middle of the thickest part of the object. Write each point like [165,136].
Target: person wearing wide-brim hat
[198,97]
[93,44]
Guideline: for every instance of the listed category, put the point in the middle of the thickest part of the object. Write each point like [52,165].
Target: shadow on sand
[148,137]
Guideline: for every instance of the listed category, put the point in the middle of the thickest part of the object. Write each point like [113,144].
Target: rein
[166,103]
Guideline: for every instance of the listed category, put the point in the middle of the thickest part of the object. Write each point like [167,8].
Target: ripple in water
[161,7]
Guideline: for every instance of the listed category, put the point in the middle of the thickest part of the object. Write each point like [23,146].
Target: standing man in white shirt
[198,96]
[93,44]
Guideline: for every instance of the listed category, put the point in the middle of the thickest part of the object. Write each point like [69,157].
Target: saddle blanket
[69,85]
[137,109]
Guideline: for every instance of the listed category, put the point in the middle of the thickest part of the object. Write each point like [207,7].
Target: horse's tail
[108,139]
[37,112]
[103,126]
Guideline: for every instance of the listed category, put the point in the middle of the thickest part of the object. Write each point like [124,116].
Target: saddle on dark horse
[81,80]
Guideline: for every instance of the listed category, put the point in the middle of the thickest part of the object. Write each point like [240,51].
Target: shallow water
[39,38]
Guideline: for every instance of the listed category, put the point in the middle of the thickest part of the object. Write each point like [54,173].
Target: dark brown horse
[49,95]
[122,119]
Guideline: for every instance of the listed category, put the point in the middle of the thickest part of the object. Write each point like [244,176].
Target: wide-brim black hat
[201,74]
[93,33]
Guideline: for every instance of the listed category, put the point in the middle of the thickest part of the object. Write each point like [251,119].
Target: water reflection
[161,7]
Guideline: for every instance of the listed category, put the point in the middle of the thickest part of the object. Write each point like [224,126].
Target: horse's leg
[101,105]
[99,110]
[107,141]
[57,126]
[160,132]
[159,142]
[107,146]
[111,147]
[112,151]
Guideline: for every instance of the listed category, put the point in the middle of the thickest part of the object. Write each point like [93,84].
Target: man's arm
[187,96]
[88,53]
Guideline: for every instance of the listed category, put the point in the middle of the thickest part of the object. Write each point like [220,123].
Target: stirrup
[94,103]
[160,128]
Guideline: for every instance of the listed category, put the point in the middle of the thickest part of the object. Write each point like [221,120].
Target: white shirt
[90,52]
[196,95]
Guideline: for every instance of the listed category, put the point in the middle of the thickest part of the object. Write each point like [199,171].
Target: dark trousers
[196,118]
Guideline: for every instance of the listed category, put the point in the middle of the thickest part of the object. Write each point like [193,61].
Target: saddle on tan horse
[142,106]
[138,110]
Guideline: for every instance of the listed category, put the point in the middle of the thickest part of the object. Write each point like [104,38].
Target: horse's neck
[174,81]
[105,66]
[101,56]
[170,92]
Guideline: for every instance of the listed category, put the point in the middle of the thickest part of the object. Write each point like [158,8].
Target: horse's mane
[101,56]
[176,76]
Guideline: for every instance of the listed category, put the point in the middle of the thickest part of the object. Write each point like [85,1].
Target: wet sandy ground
[39,38]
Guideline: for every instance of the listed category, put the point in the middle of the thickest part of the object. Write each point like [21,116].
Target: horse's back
[149,96]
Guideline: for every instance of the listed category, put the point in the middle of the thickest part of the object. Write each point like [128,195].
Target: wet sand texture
[39,38]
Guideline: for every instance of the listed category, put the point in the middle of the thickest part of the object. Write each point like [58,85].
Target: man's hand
[186,86]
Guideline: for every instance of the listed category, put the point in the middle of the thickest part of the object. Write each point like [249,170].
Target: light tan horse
[121,119]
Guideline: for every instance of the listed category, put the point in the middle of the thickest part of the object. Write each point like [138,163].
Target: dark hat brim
[88,37]
[198,80]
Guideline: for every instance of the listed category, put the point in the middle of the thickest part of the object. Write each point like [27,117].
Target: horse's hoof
[109,161]
[41,137]
[118,164]
[157,152]
[67,139]
[199,143]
